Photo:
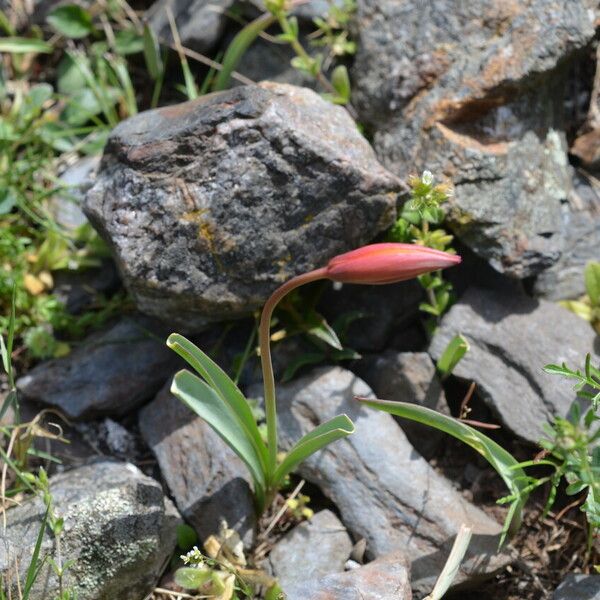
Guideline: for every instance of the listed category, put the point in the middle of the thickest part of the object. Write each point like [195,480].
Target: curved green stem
[264,335]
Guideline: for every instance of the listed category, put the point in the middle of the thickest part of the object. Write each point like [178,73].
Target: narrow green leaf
[3,354]
[5,24]
[224,387]
[20,45]
[152,53]
[191,90]
[71,20]
[33,570]
[238,46]
[206,403]
[503,462]
[325,332]
[120,68]
[592,282]
[341,82]
[326,433]
[452,355]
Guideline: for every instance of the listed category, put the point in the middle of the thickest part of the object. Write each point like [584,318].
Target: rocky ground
[208,206]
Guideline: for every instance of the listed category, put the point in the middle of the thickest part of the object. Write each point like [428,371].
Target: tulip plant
[216,398]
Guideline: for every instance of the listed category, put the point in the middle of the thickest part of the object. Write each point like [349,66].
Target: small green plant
[217,399]
[221,571]
[588,306]
[18,439]
[420,223]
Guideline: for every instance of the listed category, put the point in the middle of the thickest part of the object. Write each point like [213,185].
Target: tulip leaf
[326,433]
[224,387]
[206,403]
[503,462]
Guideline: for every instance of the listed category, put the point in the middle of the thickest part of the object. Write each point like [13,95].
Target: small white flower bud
[427,177]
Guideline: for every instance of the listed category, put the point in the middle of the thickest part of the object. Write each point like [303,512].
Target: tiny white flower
[427,177]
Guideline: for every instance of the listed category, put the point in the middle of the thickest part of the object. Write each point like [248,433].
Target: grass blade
[238,47]
[34,570]
[20,45]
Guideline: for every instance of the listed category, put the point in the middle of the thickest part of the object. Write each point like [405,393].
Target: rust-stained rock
[474,92]
[386,578]
[211,204]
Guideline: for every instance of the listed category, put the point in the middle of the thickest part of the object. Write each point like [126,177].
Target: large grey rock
[579,587]
[211,204]
[119,530]
[205,477]
[511,337]
[112,373]
[407,377]
[581,230]
[310,551]
[384,490]
[387,578]
[474,91]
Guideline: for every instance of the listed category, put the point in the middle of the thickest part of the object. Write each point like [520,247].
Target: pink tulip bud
[387,263]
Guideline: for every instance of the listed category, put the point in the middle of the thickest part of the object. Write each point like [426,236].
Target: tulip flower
[387,263]
[375,264]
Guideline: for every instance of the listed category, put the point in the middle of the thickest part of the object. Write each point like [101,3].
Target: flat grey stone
[579,587]
[512,337]
[387,578]
[385,491]
[110,374]
[474,92]
[119,530]
[207,480]
[407,377]
[310,551]
[210,205]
